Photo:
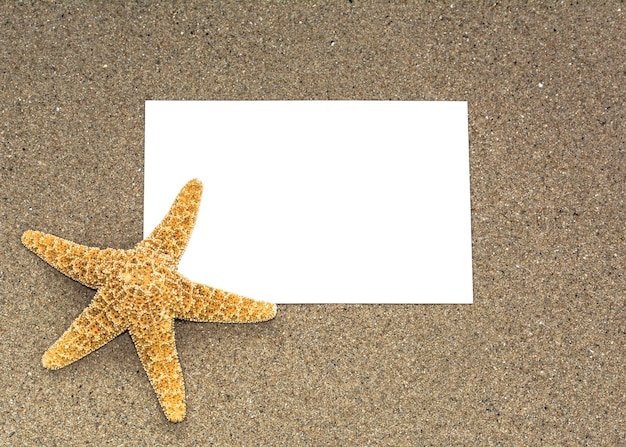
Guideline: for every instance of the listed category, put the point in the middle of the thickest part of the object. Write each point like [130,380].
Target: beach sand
[538,359]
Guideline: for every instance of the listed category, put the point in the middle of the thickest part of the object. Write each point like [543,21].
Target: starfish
[140,290]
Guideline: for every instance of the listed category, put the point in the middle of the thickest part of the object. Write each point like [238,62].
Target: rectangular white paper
[319,201]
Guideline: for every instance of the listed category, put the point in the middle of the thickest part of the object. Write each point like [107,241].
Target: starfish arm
[199,302]
[171,236]
[98,324]
[79,262]
[156,347]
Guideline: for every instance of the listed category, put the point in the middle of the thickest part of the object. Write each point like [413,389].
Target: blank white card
[319,201]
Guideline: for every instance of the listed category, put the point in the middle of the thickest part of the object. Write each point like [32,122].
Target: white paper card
[319,201]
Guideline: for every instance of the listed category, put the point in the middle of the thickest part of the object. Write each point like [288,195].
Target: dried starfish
[140,290]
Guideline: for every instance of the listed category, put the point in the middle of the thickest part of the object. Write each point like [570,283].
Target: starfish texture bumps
[140,290]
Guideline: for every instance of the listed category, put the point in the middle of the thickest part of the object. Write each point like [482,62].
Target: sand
[538,359]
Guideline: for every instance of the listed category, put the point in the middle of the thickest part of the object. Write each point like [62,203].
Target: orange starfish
[141,291]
